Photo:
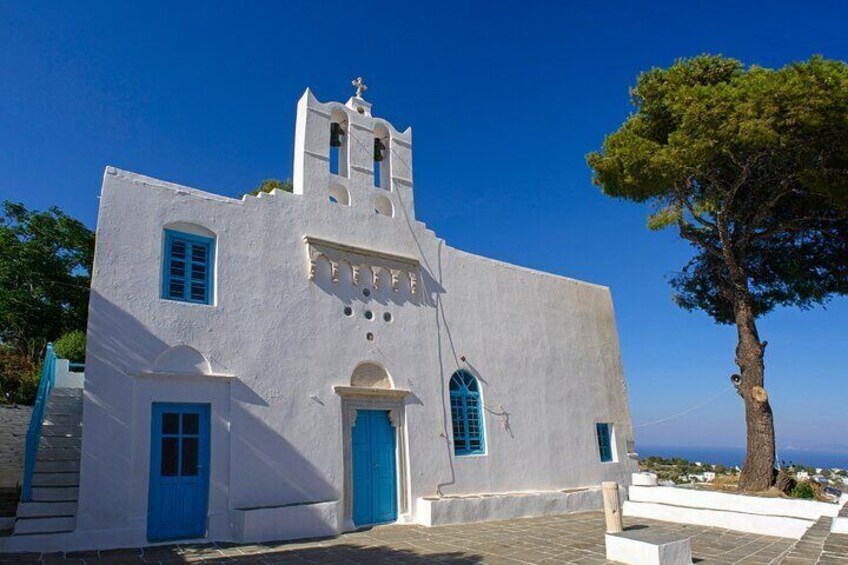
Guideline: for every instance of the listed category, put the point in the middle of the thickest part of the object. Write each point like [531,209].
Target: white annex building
[302,364]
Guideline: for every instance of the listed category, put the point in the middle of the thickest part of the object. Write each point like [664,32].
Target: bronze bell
[336,133]
[379,149]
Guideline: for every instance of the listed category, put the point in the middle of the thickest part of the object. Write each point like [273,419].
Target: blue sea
[736,455]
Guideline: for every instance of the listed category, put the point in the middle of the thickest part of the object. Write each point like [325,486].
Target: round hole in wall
[366,292]
[348,311]
[387,316]
[369,336]
[369,315]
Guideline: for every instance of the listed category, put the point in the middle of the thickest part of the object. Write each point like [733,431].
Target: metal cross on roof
[360,86]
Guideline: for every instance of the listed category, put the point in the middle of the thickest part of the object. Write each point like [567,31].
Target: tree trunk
[758,470]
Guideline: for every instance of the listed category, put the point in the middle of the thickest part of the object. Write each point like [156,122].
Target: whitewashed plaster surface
[275,342]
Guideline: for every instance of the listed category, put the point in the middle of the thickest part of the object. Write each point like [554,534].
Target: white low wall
[433,511]
[794,508]
[286,522]
[780,526]
[65,378]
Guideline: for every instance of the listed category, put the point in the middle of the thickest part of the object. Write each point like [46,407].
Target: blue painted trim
[604,432]
[33,437]
[190,241]
[156,530]
[467,414]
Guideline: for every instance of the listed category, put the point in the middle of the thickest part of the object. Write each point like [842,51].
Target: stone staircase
[55,481]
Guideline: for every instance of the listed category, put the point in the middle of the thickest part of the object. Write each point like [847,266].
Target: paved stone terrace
[573,538]
[14,421]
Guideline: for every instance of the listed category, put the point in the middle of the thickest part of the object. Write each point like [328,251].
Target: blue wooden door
[374,472]
[179,471]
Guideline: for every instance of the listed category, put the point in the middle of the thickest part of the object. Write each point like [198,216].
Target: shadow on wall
[117,343]
[266,469]
[260,455]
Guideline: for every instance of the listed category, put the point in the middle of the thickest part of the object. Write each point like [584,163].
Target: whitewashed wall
[545,347]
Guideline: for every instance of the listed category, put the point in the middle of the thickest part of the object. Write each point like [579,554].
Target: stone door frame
[392,401]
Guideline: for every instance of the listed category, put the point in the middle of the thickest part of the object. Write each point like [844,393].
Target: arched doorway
[375,485]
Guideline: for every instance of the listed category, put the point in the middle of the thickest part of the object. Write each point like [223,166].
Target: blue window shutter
[604,442]
[187,273]
[466,414]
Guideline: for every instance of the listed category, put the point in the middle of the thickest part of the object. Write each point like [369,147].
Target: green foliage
[71,346]
[45,266]
[268,185]
[19,377]
[803,490]
[751,166]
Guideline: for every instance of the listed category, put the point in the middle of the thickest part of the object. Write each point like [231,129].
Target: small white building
[302,364]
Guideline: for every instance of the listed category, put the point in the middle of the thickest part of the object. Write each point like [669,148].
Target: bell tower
[345,156]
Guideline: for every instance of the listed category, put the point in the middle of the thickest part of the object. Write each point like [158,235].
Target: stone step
[26,526]
[62,420]
[55,494]
[54,430]
[55,479]
[59,441]
[67,391]
[59,454]
[60,466]
[46,509]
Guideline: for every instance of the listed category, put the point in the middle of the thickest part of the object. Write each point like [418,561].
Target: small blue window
[189,260]
[605,442]
[466,413]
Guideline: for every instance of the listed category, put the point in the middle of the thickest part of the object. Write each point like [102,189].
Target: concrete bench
[646,547]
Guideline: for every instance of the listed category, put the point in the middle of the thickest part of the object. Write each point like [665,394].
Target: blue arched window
[466,413]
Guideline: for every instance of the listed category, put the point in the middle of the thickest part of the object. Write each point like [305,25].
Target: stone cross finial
[360,86]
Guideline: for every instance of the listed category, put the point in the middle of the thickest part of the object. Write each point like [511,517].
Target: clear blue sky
[505,101]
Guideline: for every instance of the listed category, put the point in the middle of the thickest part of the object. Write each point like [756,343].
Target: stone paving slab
[571,538]
[14,421]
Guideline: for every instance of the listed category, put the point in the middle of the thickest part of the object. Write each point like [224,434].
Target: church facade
[301,364]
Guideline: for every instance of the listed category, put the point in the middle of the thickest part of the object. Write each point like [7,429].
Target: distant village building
[297,365]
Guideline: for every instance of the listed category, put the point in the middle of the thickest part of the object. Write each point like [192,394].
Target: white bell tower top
[344,155]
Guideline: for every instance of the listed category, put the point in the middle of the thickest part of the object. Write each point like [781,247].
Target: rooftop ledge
[185,376]
[318,242]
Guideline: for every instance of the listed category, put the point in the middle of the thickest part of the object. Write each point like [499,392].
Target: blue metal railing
[33,438]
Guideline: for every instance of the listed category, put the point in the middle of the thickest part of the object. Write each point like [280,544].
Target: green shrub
[71,346]
[19,378]
[803,490]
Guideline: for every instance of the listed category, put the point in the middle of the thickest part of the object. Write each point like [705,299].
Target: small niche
[339,195]
[383,206]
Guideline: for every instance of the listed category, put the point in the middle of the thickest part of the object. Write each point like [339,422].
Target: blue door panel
[179,471]
[374,472]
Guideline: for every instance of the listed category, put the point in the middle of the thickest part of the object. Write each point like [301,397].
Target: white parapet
[439,511]
[644,547]
[644,479]
[767,506]
[295,521]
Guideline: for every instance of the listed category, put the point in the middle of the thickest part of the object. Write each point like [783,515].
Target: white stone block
[644,547]
[644,479]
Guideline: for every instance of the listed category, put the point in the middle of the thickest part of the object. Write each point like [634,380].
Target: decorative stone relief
[413,282]
[359,258]
[394,418]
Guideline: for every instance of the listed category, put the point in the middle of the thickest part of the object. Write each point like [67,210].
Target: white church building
[302,364]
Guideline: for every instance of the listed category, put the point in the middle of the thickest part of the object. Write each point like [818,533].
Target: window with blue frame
[605,442]
[466,413]
[187,274]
